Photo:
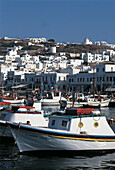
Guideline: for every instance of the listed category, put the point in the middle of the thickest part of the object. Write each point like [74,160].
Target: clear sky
[63,20]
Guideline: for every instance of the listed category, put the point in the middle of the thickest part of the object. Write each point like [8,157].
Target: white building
[90,58]
[37,40]
[87,41]
[53,49]
[51,81]
[102,77]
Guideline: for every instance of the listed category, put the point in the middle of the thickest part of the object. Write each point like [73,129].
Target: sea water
[11,160]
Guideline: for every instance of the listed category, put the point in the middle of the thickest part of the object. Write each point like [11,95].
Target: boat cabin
[24,115]
[93,123]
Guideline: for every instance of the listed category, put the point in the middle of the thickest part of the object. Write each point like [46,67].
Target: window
[53,122]
[90,79]
[50,78]
[64,87]
[64,123]
[69,80]
[97,69]
[103,69]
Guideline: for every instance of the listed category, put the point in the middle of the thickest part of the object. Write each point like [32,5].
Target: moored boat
[32,115]
[89,101]
[74,130]
[53,99]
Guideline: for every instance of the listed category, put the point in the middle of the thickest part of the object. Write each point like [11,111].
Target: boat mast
[93,82]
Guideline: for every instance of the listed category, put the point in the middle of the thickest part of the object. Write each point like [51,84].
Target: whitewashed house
[101,77]
[91,58]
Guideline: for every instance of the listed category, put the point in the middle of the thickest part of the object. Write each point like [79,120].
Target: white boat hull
[80,104]
[20,101]
[49,102]
[36,140]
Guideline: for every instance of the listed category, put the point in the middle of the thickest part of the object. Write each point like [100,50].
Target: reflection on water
[10,159]
[105,161]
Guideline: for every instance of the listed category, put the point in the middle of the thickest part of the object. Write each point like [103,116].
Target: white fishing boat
[32,115]
[89,101]
[12,98]
[86,130]
[53,99]
[14,101]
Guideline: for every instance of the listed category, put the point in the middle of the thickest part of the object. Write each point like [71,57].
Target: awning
[19,86]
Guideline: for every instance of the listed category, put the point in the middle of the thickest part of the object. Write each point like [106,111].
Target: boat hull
[14,102]
[4,130]
[90,104]
[50,103]
[29,139]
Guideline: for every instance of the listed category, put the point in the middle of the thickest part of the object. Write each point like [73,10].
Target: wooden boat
[76,130]
[89,101]
[53,99]
[32,115]
[13,99]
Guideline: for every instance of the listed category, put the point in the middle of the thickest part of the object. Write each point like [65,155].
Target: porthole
[80,124]
[96,124]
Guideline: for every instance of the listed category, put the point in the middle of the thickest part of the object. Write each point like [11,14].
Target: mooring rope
[15,138]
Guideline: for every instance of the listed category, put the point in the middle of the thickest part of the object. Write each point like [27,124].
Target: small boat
[74,130]
[12,98]
[4,104]
[14,101]
[32,115]
[89,101]
[53,99]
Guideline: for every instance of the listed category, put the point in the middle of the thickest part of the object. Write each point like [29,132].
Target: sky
[62,20]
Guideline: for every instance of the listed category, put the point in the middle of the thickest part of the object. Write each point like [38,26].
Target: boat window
[80,124]
[96,124]
[53,122]
[64,123]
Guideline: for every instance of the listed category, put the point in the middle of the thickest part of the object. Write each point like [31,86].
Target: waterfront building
[51,81]
[100,77]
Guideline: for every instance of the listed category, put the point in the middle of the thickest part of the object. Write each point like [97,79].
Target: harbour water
[11,160]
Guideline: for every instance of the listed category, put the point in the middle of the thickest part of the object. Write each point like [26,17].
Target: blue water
[11,160]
